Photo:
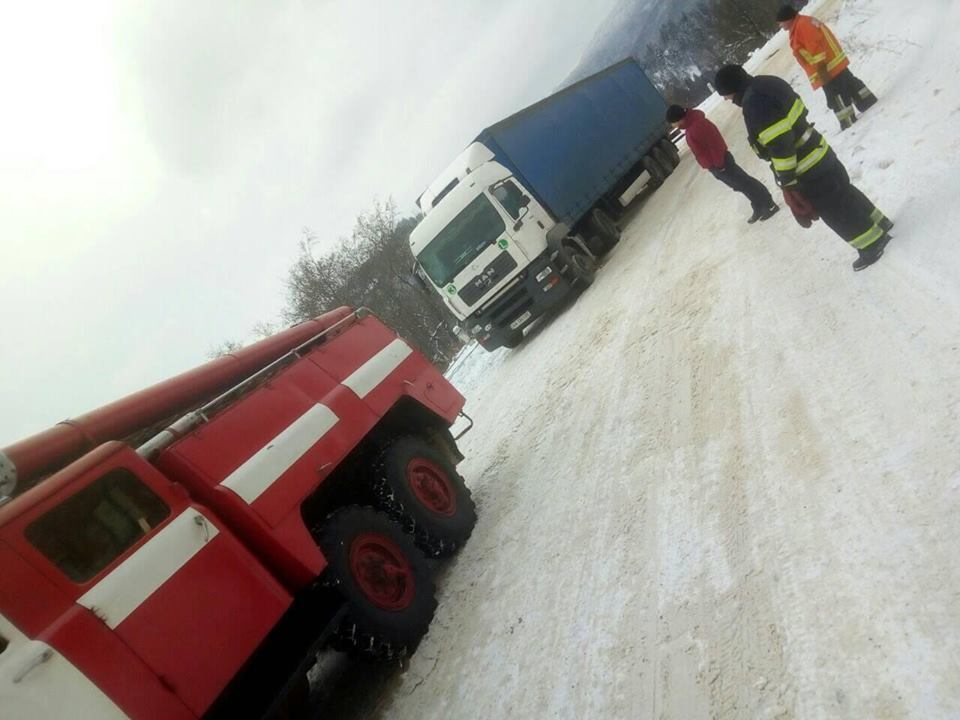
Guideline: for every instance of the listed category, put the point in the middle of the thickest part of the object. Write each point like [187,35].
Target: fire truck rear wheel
[420,488]
[385,581]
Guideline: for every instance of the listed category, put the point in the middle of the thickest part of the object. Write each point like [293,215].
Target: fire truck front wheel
[384,580]
[420,488]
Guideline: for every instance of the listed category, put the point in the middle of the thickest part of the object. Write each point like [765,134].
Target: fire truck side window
[93,527]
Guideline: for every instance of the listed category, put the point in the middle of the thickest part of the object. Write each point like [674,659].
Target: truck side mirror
[523,213]
[416,278]
[525,201]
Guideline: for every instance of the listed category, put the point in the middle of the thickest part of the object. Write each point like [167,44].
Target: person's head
[676,114]
[787,16]
[731,81]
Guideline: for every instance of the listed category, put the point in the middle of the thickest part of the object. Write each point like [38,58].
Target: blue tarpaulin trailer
[576,146]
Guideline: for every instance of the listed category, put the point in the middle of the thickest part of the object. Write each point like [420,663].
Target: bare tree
[372,268]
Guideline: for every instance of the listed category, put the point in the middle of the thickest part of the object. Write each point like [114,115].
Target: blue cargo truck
[520,217]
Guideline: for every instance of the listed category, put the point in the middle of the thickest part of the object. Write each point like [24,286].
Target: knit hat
[785,13]
[731,79]
[675,113]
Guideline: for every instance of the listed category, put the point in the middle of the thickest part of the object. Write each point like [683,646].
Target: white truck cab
[484,238]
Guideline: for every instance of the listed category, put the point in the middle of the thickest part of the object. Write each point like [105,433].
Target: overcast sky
[159,158]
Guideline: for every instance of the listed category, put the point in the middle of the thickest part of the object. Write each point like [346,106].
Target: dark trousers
[846,92]
[734,177]
[842,206]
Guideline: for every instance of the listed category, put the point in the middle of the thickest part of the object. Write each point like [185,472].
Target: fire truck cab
[180,553]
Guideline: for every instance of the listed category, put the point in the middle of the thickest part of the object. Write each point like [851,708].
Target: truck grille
[510,306]
[501,266]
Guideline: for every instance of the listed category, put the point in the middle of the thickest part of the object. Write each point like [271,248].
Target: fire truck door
[174,584]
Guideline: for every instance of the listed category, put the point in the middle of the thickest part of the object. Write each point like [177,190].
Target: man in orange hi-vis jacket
[827,66]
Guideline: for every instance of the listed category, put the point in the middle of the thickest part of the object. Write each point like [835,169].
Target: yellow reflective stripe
[813,59]
[813,158]
[832,41]
[803,138]
[876,215]
[784,164]
[868,238]
[782,126]
[836,61]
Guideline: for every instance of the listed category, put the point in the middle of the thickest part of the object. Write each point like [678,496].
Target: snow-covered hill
[725,483]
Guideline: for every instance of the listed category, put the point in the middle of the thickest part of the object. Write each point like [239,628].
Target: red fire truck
[184,552]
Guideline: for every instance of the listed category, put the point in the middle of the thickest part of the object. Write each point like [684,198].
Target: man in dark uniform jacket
[802,161]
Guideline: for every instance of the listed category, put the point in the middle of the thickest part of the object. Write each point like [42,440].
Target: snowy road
[725,483]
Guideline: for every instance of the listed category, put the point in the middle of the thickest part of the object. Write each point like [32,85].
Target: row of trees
[372,268]
[712,34]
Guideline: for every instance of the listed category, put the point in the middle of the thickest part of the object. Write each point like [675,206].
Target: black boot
[865,100]
[886,224]
[769,212]
[763,213]
[869,255]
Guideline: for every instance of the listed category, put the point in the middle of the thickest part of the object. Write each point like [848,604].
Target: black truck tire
[420,488]
[671,150]
[657,173]
[580,266]
[663,158]
[605,227]
[597,245]
[384,579]
[514,341]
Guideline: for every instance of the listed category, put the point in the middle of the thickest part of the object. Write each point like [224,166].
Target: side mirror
[416,278]
[524,210]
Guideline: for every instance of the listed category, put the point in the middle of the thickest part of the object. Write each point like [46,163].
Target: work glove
[803,212]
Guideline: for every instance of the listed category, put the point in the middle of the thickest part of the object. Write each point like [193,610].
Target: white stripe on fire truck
[126,587]
[251,479]
[375,370]
[36,681]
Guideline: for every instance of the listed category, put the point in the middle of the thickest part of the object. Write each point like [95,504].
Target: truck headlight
[544,274]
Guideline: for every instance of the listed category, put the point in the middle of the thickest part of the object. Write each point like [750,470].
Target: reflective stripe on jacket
[817,50]
[779,131]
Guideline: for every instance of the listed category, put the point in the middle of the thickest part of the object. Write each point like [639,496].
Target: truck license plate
[520,320]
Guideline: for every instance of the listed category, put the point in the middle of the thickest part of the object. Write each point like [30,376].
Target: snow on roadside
[725,483]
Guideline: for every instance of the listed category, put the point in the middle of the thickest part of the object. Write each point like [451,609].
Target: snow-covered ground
[725,483]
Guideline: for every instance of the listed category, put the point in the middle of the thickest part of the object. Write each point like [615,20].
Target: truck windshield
[472,231]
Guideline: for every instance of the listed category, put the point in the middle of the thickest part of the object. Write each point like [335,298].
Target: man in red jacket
[708,147]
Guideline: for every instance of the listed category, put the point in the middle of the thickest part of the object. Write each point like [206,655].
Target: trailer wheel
[671,151]
[384,580]
[657,173]
[419,487]
[663,158]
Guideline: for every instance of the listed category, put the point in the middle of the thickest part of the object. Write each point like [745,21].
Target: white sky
[159,158]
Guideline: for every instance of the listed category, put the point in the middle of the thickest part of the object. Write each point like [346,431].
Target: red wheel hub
[382,571]
[432,487]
